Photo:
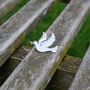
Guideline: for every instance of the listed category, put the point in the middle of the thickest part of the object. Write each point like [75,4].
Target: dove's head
[34,43]
[30,42]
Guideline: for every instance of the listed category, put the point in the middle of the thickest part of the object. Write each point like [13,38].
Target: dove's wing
[49,42]
[43,38]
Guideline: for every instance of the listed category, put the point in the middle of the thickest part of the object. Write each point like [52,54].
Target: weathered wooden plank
[36,70]
[82,79]
[14,31]
[65,74]
[8,67]
[8,5]
[70,64]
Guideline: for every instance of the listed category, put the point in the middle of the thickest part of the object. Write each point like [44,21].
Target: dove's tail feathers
[54,49]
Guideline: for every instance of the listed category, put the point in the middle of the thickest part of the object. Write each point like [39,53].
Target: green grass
[44,25]
[82,41]
[9,14]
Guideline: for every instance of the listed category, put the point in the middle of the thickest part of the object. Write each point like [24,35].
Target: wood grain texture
[14,31]
[36,70]
[8,5]
[82,79]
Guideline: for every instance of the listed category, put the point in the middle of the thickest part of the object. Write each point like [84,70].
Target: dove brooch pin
[43,44]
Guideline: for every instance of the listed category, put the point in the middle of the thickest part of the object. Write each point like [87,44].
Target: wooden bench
[82,79]
[36,69]
[7,5]
[14,31]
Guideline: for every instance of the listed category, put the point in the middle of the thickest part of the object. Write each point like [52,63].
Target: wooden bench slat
[65,74]
[82,79]
[14,31]
[36,70]
[7,5]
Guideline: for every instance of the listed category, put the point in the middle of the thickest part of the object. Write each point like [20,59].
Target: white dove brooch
[43,44]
